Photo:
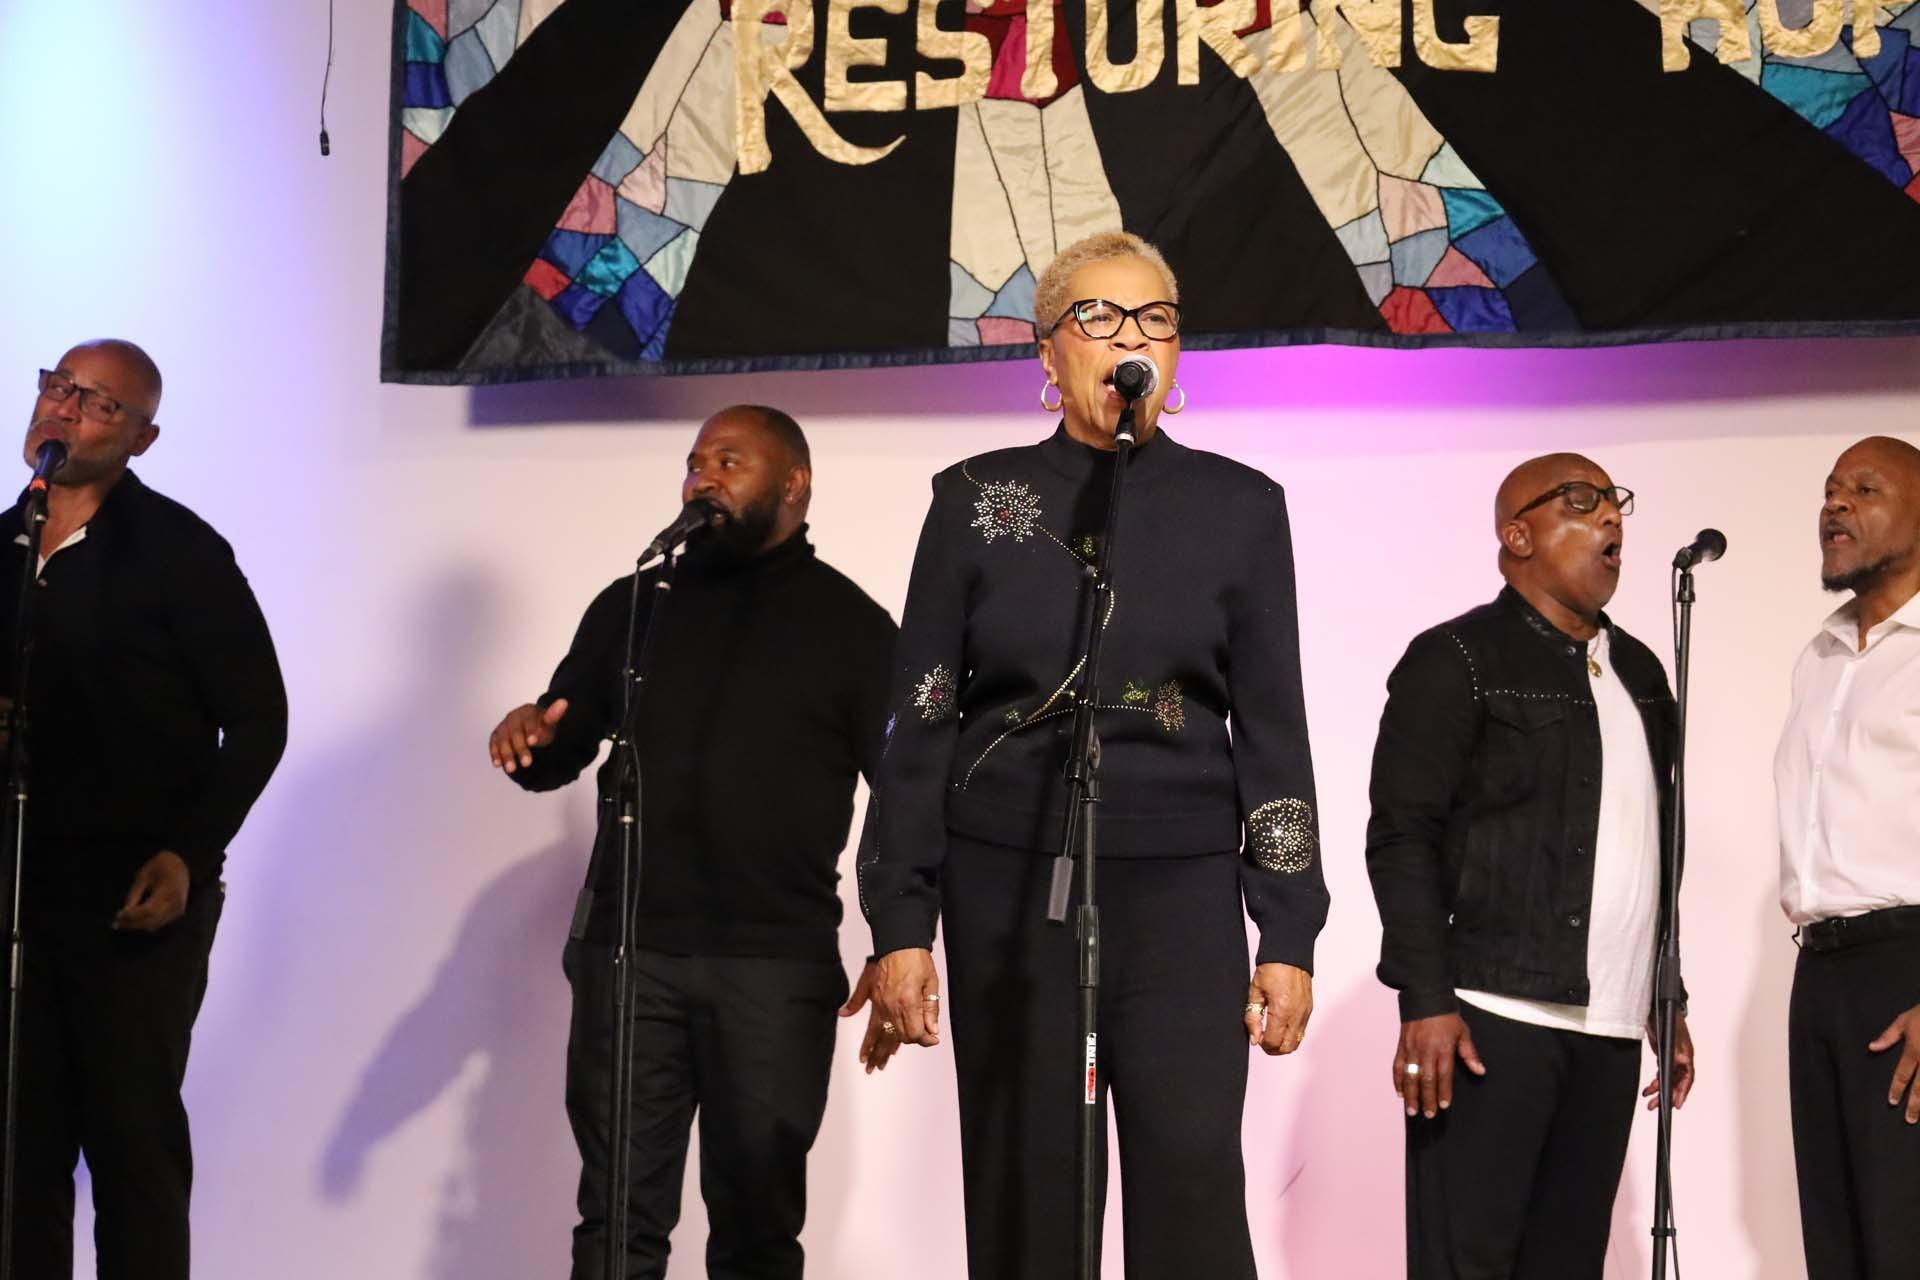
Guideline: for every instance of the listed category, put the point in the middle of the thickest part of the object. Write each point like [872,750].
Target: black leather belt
[1853,931]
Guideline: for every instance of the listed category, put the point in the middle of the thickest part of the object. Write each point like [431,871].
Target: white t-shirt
[1624,920]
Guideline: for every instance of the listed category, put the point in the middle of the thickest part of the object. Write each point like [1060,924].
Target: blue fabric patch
[962,333]
[1867,131]
[1015,299]
[499,29]
[1537,303]
[619,159]
[1499,250]
[577,305]
[1470,309]
[423,42]
[1415,256]
[647,308]
[468,66]
[608,269]
[1889,68]
[1818,96]
[690,202]
[656,348]
[1909,103]
[571,250]
[1469,210]
[644,231]
[426,86]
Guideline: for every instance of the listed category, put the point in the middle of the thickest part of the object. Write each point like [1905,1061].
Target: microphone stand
[627,792]
[35,519]
[1077,849]
[1667,986]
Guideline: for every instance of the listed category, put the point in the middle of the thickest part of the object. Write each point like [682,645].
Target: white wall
[376,1082]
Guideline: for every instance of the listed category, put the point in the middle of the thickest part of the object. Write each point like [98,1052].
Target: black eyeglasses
[1583,497]
[98,405]
[1100,319]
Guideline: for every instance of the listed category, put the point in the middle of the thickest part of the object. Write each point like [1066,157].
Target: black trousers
[106,1020]
[1516,1180]
[1173,1055]
[745,1043]
[1858,1159]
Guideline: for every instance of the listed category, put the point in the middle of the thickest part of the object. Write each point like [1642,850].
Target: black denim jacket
[1486,802]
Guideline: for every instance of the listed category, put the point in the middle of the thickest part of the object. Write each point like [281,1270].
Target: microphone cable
[326,79]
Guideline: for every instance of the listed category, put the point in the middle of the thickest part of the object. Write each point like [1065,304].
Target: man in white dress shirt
[1847,774]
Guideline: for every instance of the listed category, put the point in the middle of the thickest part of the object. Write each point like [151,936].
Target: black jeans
[1516,1180]
[744,1042]
[1173,1054]
[1857,1158]
[106,1020]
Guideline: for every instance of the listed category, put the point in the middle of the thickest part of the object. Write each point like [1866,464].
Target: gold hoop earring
[1171,409]
[1055,406]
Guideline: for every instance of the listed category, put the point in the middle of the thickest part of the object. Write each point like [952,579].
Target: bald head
[1540,475]
[1887,453]
[139,383]
[1563,560]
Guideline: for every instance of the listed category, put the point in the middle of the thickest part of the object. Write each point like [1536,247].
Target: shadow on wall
[362,851]
[485,1003]
[1766,1136]
[1283,380]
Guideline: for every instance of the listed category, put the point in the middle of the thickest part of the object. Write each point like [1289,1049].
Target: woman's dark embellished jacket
[1201,721]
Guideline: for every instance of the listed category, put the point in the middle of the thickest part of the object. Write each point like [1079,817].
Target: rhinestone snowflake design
[934,695]
[1006,507]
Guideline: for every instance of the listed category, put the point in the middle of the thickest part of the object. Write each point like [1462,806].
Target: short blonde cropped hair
[1050,295]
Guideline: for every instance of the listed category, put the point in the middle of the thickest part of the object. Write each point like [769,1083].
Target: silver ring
[1256,1008]
[887,1027]
[1413,1068]
[933,998]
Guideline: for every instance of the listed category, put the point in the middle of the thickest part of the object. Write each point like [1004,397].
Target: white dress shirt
[1624,920]
[1847,772]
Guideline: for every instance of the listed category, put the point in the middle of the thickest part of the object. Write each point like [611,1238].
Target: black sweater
[1203,628]
[156,709]
[766,697]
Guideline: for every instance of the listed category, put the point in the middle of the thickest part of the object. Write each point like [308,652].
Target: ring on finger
[930,998]
[1256,1008]
[1413,1068]
[887,1027]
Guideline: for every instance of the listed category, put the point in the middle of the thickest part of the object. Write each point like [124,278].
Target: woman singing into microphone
[1206,800]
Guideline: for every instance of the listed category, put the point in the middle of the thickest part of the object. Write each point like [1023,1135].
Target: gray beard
[1856,579]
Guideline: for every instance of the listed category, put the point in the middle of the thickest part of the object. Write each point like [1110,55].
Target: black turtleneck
[1201,718]
[766,697]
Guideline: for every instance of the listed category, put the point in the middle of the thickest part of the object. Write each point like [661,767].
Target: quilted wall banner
[639,186]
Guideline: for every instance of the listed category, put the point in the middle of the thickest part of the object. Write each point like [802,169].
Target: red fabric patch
[1913,188]
[591,210]
[1457,270]
[546,279]
[1005,27]
[434,11]
[998,331]
[1412,311]
[411,149]
[1906,136]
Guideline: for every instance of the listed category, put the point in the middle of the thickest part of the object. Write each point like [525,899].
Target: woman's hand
[906,999]
[1279,1002]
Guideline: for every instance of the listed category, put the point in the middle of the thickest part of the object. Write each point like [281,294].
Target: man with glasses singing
[152,717]
[1520,783]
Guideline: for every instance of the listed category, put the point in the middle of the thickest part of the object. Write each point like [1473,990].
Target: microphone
[1135,377]
[49,458]
[692,518]
[1708,544]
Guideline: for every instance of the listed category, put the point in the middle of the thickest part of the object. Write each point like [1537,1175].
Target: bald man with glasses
[1520,782]
[154,714]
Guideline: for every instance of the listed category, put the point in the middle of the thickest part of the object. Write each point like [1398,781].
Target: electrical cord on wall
[326,146]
